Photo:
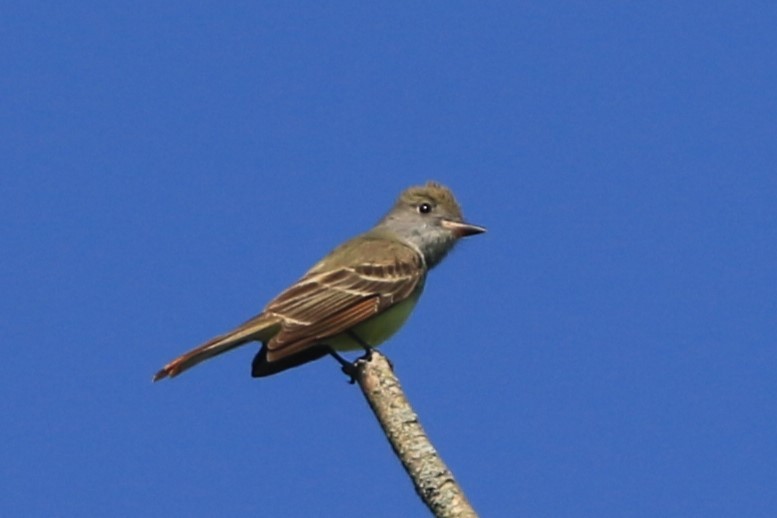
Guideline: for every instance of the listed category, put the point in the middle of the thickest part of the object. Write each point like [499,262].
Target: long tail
[255,329]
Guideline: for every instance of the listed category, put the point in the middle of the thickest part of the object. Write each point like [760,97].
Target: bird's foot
[347,367]
[352,371]
[367,356]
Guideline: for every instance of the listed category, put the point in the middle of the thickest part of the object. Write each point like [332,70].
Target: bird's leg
[347,367]
[367,347]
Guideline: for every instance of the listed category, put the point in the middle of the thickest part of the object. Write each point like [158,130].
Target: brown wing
[328,301]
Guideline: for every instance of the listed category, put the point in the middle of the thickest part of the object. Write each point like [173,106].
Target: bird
[356,297]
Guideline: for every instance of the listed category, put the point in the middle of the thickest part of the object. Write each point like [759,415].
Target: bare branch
[432,479]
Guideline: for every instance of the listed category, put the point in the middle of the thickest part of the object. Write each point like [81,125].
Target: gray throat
[432,241]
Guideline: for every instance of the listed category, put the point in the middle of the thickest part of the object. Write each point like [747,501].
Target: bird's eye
[425,208]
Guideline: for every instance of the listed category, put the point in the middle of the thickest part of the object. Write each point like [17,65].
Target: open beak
[461,229]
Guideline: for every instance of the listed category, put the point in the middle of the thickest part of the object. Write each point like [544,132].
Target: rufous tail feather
[248,332]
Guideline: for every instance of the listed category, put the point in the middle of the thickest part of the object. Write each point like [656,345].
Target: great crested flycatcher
[357,296]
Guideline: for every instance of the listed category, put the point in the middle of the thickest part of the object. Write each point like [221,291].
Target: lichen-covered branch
[432,479]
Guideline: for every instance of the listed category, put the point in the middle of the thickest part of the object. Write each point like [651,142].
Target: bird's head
[429,218]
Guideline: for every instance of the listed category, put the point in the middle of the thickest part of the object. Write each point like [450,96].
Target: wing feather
[328,301]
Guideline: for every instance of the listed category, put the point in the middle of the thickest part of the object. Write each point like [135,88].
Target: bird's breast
[379,328]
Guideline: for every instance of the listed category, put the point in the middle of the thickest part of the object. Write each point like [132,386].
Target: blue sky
[607,349]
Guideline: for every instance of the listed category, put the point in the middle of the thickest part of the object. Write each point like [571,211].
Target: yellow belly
[376,330]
